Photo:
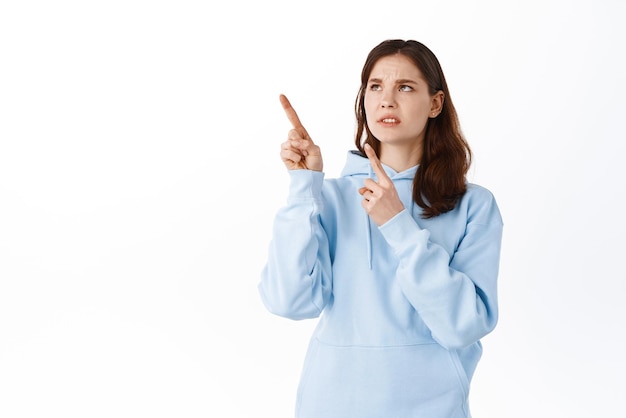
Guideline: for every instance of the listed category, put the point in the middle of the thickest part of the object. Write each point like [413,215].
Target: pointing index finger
[376,164]
[293,116]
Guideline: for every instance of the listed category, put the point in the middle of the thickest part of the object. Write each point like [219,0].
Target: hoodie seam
[374,347]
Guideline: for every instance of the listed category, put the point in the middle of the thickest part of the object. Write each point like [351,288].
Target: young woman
[398,256]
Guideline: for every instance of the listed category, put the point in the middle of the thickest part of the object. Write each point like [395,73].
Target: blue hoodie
[402,306]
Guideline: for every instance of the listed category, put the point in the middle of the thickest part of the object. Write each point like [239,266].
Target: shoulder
[480,205]
[475,191]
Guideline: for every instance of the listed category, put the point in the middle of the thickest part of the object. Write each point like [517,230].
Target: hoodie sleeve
[296,280]
[456,295]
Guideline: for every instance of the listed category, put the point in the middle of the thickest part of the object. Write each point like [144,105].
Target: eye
[375,87]
[405,87]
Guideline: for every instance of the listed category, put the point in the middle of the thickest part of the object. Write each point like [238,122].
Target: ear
[436,104]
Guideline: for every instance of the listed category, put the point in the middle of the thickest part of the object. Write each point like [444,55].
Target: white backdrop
[139,175]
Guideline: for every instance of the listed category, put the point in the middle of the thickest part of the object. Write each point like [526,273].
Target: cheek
[367,102]
[370,109]
[368,119]
[421,111]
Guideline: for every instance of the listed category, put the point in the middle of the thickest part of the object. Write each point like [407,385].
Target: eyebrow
[400,81]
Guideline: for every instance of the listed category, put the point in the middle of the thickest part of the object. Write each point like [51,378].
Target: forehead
[393,67]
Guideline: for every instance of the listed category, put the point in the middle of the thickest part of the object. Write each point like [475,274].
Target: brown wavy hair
[440,181]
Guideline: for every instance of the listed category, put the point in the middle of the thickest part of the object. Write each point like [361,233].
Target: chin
[390,140]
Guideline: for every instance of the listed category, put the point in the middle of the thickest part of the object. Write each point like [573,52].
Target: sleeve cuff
[401,230]
[305,184]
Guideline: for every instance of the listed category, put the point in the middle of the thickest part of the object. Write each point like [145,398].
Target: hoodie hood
[358,165]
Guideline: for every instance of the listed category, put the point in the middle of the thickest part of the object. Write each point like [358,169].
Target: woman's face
[397,101]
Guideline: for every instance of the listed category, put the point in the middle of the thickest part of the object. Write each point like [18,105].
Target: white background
[139,175]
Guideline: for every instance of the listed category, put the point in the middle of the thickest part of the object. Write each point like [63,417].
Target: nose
[387,99]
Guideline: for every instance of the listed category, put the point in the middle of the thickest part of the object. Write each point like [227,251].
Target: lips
[389,120]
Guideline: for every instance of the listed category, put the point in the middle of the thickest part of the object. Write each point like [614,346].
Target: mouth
[389,121]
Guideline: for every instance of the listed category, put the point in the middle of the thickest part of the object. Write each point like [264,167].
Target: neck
[400,157]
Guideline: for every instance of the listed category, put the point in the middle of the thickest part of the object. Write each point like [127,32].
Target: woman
[399,255]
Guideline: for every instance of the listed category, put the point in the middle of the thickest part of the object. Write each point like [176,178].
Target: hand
[299,152]
[380,200]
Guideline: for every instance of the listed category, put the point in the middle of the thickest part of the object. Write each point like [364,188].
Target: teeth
[390,120]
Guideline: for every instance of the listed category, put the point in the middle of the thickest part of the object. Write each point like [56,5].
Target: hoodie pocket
[413,381]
